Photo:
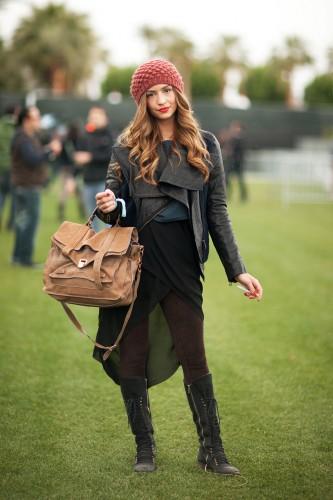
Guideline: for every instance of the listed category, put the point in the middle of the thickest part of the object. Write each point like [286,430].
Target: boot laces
[145,450]
[135,409]
[138,414]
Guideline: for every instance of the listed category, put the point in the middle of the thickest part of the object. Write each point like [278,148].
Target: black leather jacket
[206,201]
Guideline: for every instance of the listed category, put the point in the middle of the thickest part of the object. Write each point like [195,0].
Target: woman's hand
[106,201]
[254,288]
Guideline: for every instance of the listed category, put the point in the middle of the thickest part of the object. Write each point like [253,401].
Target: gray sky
[261,25]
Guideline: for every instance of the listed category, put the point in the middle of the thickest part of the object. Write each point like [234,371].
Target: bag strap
[100,255]
[77,324]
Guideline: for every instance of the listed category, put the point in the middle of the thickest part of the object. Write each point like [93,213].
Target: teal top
[174,211]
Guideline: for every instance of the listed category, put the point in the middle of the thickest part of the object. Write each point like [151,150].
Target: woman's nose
[161,98]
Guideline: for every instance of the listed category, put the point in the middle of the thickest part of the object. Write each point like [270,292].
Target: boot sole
[148,469]
[206,469]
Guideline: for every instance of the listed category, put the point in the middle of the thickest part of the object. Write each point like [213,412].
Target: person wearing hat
[170,174]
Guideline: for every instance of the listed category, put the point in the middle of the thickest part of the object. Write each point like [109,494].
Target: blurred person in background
[28,175]
[69,172]
[171,173]
[94,156]
[7,127]
[223,137]
[233,154]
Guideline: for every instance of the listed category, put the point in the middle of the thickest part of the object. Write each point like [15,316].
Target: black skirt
[170,263]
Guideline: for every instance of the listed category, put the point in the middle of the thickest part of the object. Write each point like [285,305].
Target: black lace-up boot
[211,456]
[135,394]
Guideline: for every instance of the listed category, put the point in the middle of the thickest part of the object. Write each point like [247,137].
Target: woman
[171,176]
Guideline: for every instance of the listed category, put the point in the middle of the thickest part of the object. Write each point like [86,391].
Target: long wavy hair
[142,136]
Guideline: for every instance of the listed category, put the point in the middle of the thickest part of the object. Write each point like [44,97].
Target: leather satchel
[94,269]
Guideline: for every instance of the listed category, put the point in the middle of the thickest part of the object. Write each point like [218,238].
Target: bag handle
[121,204]
[77,324]
[106,245]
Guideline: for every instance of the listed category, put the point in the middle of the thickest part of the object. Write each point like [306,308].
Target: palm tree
[228,54]
[290,56]
[57,46]
[172,45]
[10,78]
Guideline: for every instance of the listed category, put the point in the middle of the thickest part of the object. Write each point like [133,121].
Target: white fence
[306,176]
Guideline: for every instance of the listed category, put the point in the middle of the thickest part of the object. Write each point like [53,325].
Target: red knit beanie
[152,73]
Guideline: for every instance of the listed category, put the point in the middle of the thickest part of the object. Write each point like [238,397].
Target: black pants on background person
[239,174]
[6,192]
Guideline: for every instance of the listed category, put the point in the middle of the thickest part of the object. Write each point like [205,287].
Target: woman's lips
[163,110]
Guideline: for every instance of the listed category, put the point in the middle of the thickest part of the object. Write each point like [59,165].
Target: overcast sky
[261,24]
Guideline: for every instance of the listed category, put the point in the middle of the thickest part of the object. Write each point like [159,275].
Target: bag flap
[69,233]
[78,236]
[121,240]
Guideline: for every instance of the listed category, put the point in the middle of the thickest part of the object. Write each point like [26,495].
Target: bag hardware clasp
[82,263]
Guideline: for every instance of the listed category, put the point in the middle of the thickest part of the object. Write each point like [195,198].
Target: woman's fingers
[257,289]
[106,201]
[107,195]
[107,206]
[254,288]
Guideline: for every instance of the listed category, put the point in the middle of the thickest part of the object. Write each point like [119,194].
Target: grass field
[64,433]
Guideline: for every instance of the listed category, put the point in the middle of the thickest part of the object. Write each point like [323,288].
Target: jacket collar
[174,172]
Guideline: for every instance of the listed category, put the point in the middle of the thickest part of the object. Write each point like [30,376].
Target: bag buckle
[82,263]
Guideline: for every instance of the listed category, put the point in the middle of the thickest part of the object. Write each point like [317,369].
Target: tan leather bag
[94,269]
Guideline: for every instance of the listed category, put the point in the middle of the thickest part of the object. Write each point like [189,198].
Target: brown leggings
[186,328]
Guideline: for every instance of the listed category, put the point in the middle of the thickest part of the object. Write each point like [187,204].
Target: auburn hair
[142,136]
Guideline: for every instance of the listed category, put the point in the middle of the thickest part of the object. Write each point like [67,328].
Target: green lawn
[64,432]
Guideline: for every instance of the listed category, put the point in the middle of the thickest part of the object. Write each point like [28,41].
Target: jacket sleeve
[31,156]
[113,182]
[219,224]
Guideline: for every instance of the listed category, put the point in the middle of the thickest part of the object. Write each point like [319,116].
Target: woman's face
[161,101]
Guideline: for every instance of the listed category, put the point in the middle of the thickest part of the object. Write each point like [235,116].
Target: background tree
[205,80]
[228,54]
[171,44]
[320,90]
[264,84]
[57,46]
[117,79]
[291,55]
[10,78]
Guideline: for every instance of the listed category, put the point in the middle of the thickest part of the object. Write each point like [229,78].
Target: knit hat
[152,73]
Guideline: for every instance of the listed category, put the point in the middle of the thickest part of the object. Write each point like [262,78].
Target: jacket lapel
[174,172]
[179,173]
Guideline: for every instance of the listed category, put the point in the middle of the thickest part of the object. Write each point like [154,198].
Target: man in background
[7,127]
[234,152]
[94,155]
[28,176]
